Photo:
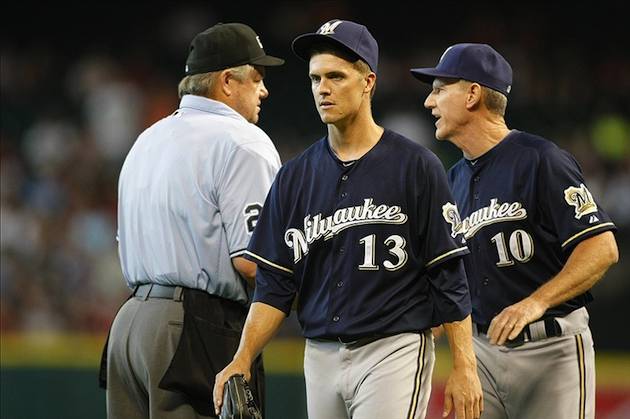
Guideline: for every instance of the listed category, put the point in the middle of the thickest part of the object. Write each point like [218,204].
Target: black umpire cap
[227,45]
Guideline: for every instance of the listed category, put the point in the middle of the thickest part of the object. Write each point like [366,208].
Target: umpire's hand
[237,366]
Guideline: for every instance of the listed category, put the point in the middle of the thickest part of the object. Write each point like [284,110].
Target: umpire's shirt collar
[204,104]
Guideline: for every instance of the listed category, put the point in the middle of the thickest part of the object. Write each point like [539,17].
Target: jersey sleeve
[274,289]
[566,204]
[435,206]
[268,247]
[449,292]
[242,190]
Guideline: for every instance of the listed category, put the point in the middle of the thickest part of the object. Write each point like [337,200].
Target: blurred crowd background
[79,83]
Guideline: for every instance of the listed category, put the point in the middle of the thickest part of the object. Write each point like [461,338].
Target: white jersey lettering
[493,213]
[317,227]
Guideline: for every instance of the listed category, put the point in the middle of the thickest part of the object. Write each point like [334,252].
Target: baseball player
[354,227]
[538,240]
[190,193]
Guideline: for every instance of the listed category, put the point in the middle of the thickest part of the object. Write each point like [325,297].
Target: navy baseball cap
[478,63]
[226,45]
[351,36]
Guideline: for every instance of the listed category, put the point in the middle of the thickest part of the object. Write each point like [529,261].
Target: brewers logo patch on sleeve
[582,200]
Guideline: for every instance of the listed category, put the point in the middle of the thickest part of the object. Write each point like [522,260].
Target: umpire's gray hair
[496,102]
[202,84]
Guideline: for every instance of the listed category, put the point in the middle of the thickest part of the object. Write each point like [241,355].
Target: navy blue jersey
[358,242]
[523,208]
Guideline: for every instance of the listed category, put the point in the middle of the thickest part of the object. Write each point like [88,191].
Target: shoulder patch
[451,216]
[251,212]
[581,199]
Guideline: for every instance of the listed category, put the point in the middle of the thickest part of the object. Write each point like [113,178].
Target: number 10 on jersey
[521,248]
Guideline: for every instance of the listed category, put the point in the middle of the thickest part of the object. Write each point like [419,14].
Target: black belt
[349,340]
[155,291]
[357,341]
[552,329]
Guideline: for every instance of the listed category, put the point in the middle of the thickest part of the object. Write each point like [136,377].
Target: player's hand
[463,393]
[511,321]
[237,366]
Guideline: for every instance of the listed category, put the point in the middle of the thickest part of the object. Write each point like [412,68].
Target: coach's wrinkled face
[339,87]
[447,102]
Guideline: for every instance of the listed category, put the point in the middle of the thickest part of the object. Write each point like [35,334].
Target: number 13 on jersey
[396,247]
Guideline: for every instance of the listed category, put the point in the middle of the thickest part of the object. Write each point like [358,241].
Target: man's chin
[327,119]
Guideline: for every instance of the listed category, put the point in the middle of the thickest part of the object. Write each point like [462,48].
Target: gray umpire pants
[142,341]
[548,378]
[385,378]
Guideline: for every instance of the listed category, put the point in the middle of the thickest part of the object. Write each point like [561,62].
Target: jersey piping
[268,262]
[238,253]
[447,254]
[575,236]
[418,379]
[582,373]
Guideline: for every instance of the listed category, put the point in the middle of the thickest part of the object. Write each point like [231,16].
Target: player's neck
[350,141]
[482,138]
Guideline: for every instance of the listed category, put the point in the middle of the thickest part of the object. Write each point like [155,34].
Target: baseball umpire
[538,239]
[354,227]
[190,193]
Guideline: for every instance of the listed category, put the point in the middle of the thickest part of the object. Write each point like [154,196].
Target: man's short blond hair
[202,84]
[496,102]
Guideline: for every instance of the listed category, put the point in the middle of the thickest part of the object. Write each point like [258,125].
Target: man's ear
[473,95]
[224,79]
[370,82]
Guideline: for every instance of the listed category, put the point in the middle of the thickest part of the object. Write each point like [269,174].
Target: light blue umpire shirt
[189,194]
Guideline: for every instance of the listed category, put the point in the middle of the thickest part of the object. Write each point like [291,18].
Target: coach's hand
[511,321]
[237,366]
[463,392]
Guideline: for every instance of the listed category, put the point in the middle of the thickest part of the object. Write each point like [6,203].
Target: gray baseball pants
[142,341]
[548,378]
[385,378]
